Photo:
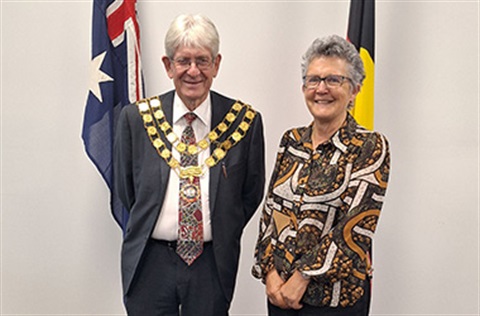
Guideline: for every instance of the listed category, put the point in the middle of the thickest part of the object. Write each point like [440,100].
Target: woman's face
[329,104]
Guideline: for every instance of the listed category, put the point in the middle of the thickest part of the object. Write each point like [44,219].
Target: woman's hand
[292,291]
[274,283]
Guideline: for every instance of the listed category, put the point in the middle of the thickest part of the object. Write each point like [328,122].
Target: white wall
[59,244]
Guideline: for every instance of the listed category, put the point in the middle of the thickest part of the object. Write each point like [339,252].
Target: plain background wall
[59,244]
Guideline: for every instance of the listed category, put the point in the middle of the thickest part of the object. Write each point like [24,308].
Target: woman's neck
[323,131]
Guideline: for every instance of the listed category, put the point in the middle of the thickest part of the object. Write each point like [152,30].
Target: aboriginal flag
[115,81]
[361,33]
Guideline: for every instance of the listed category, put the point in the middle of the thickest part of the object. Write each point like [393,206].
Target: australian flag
[115,81]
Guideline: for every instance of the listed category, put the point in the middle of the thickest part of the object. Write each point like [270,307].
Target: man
[189,167]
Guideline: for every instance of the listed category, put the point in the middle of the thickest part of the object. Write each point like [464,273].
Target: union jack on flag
[115,81]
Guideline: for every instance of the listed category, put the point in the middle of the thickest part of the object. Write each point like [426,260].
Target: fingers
[291,303]
[293,290]
[277,300]
[285,294]
[273,285]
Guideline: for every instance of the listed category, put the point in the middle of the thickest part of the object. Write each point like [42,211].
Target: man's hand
[292,291]
[273,285]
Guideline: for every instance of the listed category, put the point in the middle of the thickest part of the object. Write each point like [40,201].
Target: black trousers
[361,308]
[166,286]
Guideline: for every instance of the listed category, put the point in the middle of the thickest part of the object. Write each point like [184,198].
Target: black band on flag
[361,25]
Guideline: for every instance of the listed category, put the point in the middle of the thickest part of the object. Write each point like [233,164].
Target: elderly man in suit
[189,166]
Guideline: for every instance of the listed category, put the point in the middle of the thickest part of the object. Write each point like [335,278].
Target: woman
[325,196]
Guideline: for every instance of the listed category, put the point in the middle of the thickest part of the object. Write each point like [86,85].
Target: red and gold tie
[190,231]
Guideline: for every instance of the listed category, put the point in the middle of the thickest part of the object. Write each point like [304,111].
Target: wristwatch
[304,275]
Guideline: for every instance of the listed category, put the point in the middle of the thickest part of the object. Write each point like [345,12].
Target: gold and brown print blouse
[321,211]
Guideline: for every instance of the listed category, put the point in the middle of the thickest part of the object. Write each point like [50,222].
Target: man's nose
[193,69]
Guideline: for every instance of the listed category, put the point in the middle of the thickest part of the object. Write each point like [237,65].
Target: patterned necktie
[190,231]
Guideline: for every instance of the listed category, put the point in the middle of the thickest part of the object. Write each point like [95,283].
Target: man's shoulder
[220,98]
[164,98]
[227,102]
[167,95]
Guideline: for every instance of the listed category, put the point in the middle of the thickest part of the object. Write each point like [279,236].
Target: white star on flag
[97,76]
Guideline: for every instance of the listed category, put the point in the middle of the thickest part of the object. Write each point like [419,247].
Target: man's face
[192,70]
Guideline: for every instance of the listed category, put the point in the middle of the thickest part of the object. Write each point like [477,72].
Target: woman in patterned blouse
[325,196]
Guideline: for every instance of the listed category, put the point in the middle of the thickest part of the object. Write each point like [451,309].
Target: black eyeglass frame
[328,81]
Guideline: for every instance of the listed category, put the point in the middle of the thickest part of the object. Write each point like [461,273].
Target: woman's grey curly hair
[336,46]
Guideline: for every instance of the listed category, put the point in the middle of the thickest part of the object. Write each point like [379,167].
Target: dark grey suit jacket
[141,177]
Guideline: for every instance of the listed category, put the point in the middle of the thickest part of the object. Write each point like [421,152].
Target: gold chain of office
[154,118]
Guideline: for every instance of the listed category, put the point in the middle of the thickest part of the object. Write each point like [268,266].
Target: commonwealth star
[97,76]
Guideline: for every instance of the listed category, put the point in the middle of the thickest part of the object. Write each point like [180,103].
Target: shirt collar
[340,139]
[203,111]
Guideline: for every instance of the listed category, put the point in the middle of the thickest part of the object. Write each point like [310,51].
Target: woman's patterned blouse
[321,211]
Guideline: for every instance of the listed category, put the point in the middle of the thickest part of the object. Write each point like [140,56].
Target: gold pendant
[190,172]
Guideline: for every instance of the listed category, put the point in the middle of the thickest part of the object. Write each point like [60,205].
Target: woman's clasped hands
[286,294]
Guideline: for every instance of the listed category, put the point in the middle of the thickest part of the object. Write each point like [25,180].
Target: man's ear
[216,64]
[168,66]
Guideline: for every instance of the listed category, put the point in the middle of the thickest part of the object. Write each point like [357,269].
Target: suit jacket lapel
[219,110]
[167,106]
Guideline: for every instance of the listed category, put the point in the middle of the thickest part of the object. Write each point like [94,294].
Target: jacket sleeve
[344,252]
[254,184]
[122,160]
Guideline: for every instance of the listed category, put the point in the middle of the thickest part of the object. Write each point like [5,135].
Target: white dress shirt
[166,227]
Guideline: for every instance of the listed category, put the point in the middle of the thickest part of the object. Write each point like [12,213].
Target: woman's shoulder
[359,134]
[371,145]
[373,137]
[294,133]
